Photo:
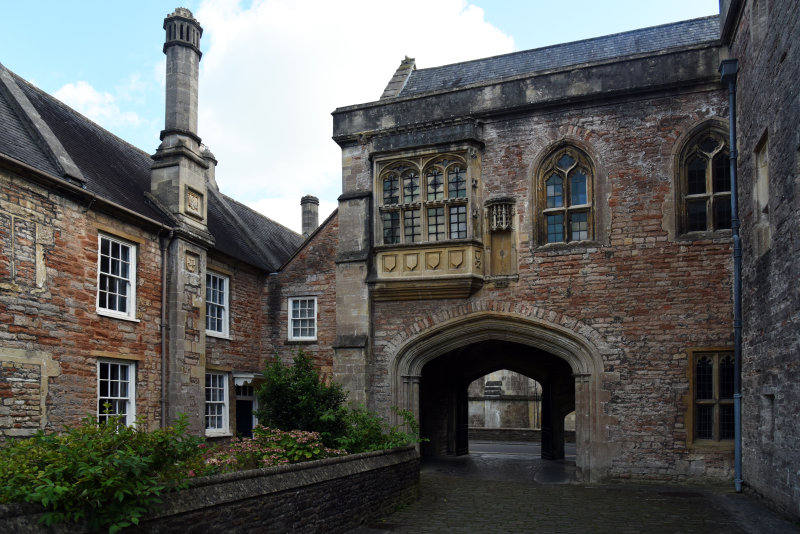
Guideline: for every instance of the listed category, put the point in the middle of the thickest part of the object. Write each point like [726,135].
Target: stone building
[562,213]
[762,36]
[129,284]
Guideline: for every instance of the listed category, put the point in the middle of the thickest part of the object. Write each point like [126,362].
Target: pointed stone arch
[576,343]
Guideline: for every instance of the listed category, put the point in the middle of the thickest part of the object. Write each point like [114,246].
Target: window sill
[218,434]
[218,335]
[711,445]
[113,315]
[300,341]
[567,247]
[726,235]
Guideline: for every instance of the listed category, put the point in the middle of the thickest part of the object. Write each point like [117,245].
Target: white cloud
[274,71]
[100,107]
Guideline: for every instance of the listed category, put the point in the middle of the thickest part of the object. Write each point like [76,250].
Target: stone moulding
[330,495]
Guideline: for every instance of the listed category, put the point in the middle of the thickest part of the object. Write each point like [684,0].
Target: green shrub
[268,447]
[107,475]
[294,398]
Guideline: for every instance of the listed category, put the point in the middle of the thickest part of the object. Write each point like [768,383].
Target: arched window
[424,200]
[565,197]
[705,183]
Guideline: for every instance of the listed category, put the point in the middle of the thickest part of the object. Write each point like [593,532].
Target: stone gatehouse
[564,213]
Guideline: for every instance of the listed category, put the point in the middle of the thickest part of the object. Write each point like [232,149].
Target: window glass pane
[391,227]
[435,224]
[696,176]
[579,226]
[726,421]
[722,212]
[458,222]
[435,184]
[709,144]
[412,223]
[726,377]
[390,188]
[704,425]
[410,187]
[696,215]
[704,377]
[721,171]
[555,191]
[577,187]
[456,183]
[565,162]
[555,228]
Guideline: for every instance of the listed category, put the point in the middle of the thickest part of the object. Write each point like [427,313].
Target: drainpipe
[728,69]
[164,243]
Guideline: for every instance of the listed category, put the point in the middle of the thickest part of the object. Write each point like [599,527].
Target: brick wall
[48,319]
[331,495]
[648,292]
[766,47]
[312,272]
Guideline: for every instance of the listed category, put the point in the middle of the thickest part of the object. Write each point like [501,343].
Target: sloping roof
[646,40]
[119,172]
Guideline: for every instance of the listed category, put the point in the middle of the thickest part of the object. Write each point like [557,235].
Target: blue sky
[273,70]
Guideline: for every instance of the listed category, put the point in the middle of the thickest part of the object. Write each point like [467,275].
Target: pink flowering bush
[268,447]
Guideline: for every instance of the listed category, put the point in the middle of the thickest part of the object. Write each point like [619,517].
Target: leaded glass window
[705,183]
[713,395]
[424,199]
[566,196]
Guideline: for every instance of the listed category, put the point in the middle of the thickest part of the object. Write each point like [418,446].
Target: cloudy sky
[273,70]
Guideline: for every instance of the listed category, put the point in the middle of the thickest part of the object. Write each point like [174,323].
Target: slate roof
[119,172]
[646,40]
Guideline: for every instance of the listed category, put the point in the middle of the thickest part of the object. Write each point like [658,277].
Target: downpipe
[728,70]
[164,245]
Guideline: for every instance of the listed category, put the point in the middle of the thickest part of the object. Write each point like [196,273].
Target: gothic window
[423,200]
[713,377]
[565,183]
[705,183]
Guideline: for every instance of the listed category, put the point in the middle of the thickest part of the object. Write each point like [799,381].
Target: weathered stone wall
[764,41]
[50,331]
[331,495]
[312,272]
[647,291]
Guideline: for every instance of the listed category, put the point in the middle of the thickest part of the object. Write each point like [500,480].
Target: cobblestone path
[502,493]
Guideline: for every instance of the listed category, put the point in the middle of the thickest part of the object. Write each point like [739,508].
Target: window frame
[443,211]
[130,313]
[716,354]
[692,149]
[225,305]
[291,318]
[551,167]
[130,398]
[224,403]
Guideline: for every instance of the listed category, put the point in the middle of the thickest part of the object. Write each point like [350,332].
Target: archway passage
[443,398]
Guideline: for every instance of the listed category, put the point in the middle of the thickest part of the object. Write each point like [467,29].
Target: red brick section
[312,272]
[641,289]
[59,318]
[244,351]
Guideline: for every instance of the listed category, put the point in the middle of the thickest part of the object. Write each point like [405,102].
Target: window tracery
[565,182]
[705,190]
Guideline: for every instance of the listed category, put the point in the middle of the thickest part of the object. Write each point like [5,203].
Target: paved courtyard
[506,488]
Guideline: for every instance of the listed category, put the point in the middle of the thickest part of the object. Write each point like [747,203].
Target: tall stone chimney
[309,207]
[178,178]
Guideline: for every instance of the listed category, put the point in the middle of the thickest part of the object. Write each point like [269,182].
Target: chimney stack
[178,174]
[309,207]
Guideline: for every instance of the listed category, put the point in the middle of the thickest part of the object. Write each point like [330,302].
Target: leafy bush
[107,475]
[294,398]
[367,431]
[268,447]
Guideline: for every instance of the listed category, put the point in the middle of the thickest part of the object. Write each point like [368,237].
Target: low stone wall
[513,434]
[331,495]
